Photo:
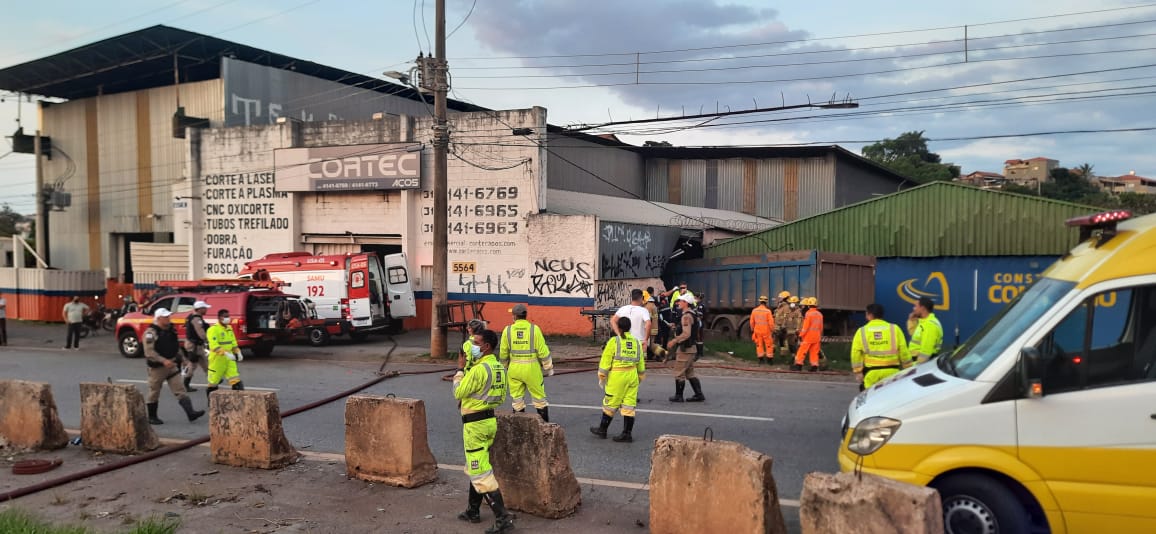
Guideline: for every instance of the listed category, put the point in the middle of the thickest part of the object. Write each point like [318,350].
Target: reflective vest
[927,339]
[522,343]
[492,390]
[221,339]
[762,320]
[878,345]
[621,354]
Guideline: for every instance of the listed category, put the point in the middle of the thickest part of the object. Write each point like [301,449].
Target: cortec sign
[381,167]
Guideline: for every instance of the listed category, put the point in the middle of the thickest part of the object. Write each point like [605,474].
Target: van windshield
[985,346]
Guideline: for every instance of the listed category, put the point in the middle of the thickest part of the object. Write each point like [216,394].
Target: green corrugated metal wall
[936,219]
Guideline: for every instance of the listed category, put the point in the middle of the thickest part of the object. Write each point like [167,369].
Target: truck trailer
[730,287]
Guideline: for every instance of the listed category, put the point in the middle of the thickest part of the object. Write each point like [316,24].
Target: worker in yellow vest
[620,370]
[926,331]
[878,350]
[527,358]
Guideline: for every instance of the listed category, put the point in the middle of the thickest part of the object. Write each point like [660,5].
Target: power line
[464,19]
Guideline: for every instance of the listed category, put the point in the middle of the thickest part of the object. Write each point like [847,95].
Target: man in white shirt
[639,319]
[74,313]
[3,321]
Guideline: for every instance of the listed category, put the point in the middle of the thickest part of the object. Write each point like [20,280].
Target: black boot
[209,393]
[697,386]
[187,404]
[627,428]
[504,521]
[600,430]
[239,386]
[152,406]
[679,387]
[473,512]
[545,413]
[796,367]
[814,368]
[189,384]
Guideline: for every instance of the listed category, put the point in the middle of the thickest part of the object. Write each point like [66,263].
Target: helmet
[793,300]
[763,298]
[810,301]
[785,294]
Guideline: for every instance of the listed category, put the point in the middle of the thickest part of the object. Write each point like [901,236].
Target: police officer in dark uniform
[196,343]
[162,349]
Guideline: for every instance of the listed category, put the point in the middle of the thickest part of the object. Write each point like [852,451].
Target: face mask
[792,304]
[226,320]
[475,350]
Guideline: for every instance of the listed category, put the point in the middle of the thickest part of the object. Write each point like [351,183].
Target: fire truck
[355,294]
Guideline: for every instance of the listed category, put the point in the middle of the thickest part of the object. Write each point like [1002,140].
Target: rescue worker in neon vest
[926,331]
[162,349]
[620,371]
[788,319]
[466,357]
[762,331]
[878,350]
[811,334]
[480,390]
[684,339]
[223,354]
[524,352]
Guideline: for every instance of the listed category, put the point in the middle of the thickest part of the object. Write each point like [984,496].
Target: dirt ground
[313,495]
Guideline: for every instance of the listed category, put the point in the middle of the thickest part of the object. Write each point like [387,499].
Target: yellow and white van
[1045,419]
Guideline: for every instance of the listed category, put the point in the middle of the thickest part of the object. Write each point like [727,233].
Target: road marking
[247,388]
[668,412]
[314,456]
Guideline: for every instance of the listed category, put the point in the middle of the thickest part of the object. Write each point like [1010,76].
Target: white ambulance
[1044,420]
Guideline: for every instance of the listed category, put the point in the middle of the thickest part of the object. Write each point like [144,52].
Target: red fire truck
[355,294]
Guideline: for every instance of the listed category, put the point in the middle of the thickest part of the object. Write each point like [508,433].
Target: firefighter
[654,348]
[811,334]
[684,340]
[466,357]
[196,342]
[620,371]
[223,354]
[762,328]
[162,349]
[788,319]
[479,390]
[926,331]
[525,353]
[878,349]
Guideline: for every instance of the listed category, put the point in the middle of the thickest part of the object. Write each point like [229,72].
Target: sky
[1030,67]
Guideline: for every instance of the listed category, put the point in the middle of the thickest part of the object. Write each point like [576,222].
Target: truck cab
[1045,419]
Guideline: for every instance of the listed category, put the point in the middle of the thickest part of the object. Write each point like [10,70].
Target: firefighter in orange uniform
[762,331]
[810,334]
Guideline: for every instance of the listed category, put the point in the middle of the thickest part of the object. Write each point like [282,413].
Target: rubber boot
[189,384]
[814,368]
[600,430]
[697,386]
[239,386]
[627,428]
[796,367]
[679,387]
[187,404]
[504,521]
[545,413]
[209,393]
[152,406]
[473,512]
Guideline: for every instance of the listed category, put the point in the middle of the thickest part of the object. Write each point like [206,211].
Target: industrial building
[971,250]
[253,153]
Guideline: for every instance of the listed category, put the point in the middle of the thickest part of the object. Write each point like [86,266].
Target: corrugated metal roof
[936,219]
[628,210]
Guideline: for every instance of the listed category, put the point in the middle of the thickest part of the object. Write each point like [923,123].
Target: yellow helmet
[810,301]
[793,300]
[785,294]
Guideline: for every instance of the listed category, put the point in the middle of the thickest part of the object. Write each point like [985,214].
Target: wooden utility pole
[441,140]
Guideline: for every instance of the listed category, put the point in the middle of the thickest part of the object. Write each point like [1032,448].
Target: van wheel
[263,349]
[129,345]
[318,337]
[977,504]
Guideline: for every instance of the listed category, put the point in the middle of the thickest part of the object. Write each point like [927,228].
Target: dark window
[397,275]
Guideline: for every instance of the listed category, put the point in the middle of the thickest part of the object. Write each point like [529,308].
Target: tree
[8,221]
[908,155]
[1085,171]
[1071,187]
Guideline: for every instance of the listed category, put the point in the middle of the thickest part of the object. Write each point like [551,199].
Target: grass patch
[838,354]
[17,521]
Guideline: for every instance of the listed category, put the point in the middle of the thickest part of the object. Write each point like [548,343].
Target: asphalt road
[795,422]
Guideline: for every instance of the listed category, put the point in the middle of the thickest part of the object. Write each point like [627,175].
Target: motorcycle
[94,321]
[129,305]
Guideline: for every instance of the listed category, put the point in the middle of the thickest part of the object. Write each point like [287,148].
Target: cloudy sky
[1029,66]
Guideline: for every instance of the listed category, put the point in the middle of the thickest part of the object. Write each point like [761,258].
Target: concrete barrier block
[245,430]
[872,505]
[113,419]
[28,418]
[532,464]
[711,486]
[386,441]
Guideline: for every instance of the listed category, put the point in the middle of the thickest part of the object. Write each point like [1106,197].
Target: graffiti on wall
[562,277]
[488,284]
[616,293]
[629,251]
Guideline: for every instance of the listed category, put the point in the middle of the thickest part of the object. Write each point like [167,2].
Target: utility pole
[441,141]
[41,202]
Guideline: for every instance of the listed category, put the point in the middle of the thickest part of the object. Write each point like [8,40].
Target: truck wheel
[129,344]
[263,349]
[978,504]
[358,336]
[318,337]
[724,328]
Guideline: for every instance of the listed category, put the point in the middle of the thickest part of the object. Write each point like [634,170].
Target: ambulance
[354,294]
[1045,419]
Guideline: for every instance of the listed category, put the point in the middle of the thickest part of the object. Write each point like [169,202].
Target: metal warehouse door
[322,249]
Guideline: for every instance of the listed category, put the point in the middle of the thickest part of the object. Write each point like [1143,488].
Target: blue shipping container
[967,290]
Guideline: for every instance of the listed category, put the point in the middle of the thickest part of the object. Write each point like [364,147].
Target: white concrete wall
[563,256]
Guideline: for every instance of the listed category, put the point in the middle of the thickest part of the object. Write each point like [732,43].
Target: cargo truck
[730,287]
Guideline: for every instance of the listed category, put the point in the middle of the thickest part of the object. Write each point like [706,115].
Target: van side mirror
[1031,372]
